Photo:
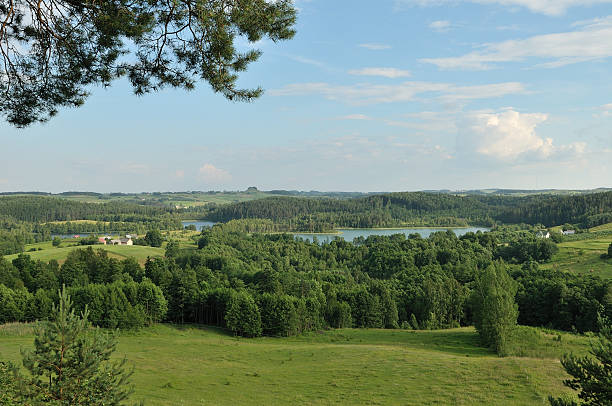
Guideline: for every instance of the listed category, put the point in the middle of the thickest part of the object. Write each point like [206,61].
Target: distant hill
[421,208]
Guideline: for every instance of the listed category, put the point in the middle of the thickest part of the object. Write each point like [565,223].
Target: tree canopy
[52,51]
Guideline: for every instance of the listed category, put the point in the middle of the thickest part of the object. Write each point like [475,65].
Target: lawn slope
[204,366]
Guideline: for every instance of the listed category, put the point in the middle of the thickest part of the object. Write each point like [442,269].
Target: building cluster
[127,240]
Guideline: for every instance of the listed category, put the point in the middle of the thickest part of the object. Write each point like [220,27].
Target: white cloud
[590,42]
[510,137]
[548,7]
[209,173]
[361,94]
[375,47]
[355,117]
[440,26]
[606,110]
[384,72]
[308,61]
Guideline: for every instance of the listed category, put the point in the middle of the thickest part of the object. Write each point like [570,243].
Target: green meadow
[583,257]
[48,252]
[204,366]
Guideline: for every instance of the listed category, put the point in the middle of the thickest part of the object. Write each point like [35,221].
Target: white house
[569,232]
[542,234]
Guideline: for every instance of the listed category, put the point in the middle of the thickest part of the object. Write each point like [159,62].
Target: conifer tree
[591,374]
[70,364]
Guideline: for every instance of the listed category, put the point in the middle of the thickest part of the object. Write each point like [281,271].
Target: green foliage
[172,249]
[495,311]
[154,238]
[243,316]
[56,241]
[540,250]
[69,48]
[70,364]
[278,315]
[419,208]
[12,242]
[591,374]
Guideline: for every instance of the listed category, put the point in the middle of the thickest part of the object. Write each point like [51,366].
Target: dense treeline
[421,209]
[39,209]
[276,285]
[27,219]
[322,214]
[586,209]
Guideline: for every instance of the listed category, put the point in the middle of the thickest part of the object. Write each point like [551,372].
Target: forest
[420,209]
[274,284]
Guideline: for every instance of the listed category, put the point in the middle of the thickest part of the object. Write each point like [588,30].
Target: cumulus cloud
[375,47]
[440,26]
[510,136]
[591,41]
[548,7]
[384,72]
[361,94]
[211,174]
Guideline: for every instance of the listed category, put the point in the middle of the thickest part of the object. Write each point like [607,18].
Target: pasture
[193,365]
[583,257]
[48,252]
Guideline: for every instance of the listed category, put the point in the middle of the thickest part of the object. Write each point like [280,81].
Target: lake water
[199,224]
[350,233]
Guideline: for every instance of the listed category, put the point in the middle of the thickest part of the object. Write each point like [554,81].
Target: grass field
[583,257]
[603,227]
[116,251]
[205,366]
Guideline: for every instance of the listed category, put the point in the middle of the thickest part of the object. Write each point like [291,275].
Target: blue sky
[380,95]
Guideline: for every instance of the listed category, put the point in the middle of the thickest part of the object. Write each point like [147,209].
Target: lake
[350,233]
[199,224]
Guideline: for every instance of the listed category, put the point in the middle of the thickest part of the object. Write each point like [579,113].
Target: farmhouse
[122,241]
[569,232]
[543,234]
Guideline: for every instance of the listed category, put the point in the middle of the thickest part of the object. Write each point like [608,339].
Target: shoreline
[341,229]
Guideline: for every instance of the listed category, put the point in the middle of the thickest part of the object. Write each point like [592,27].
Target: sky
[386,95]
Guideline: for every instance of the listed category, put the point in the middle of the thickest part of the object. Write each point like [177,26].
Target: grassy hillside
[603,227]
[203,366]
[117,251]
[583,257]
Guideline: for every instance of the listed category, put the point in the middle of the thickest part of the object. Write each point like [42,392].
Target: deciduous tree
[495,310]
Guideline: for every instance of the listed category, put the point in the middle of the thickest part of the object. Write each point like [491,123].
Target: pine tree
[591,375]
[70,364]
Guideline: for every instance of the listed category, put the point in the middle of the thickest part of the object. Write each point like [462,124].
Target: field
[603,227]
[116,251]
[205,366]
[583,257]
